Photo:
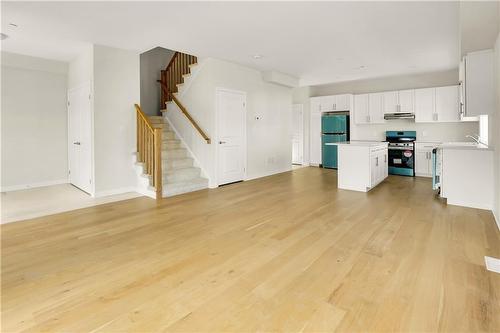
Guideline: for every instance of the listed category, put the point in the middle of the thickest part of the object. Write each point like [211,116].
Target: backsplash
[442,132]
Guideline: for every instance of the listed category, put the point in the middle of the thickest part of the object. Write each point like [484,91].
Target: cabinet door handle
[377,161]
[385,158]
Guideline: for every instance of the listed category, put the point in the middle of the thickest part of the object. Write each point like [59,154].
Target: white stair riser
[171,145]
[176,164]
[175,153]
[181,175]
[168,135]
[179,188]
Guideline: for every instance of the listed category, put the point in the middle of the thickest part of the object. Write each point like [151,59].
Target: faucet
[477,139]
[474,137]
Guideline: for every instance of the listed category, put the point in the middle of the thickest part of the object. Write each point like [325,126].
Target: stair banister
[171,77]
[149,145]
[185,112]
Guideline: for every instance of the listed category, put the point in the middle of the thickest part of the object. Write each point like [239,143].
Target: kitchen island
[362,165]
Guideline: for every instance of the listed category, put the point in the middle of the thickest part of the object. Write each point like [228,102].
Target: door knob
[76,143]
[222,142]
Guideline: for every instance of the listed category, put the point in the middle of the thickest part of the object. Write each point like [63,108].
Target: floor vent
[492,264]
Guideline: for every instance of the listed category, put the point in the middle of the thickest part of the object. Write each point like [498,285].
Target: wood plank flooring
[288,253]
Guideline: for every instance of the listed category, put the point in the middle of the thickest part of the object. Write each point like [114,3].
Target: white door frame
[92,166]
[303,129]
[216,132]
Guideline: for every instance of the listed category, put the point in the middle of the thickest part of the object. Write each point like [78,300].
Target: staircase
[179,173]
[165,166]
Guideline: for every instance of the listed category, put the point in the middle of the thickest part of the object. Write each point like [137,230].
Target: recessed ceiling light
[3,36]
[257,56]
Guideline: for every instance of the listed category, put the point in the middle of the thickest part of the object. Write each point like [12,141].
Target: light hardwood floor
[285,253]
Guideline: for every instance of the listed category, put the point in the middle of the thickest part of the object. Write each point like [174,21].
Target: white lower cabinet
[362,165]
[423,158]
[378,165]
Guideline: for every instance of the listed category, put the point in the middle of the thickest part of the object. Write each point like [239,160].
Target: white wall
[81,68]
[116,89]
[496,134]
[269,148]
[33,122]
[152,63]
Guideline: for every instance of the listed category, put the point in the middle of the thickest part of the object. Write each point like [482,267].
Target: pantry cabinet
[315,104]
[315,139]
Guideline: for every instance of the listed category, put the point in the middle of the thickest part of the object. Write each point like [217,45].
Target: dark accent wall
[152,62]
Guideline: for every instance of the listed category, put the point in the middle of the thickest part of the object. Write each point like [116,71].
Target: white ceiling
[318,42]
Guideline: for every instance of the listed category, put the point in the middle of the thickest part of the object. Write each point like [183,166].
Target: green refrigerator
[334,128]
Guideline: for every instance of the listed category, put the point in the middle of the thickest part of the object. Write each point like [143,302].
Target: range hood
[399,115]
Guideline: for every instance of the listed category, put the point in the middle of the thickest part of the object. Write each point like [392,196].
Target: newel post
[157,164]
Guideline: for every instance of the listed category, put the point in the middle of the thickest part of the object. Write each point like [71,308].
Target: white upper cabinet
[375,108]
[315,104]
[331,103]
[327,103]
[342,102]
[425,104]
[437,104]
[406,101]
[447,104]
[368,109]
[361,113]
[477,77]
[390,102]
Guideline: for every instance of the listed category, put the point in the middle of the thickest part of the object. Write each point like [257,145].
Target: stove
[401,152]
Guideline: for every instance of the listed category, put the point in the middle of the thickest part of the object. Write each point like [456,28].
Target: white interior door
[231,127]
[297,134]
[80,137]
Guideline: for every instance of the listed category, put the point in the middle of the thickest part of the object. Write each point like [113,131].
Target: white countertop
[358,143]
[464,146]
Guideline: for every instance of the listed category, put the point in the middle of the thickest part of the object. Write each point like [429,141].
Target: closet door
[80,137]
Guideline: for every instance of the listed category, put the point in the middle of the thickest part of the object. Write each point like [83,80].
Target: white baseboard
[267,174]
[146,193]
[469,205]
[34,185]
[115,192]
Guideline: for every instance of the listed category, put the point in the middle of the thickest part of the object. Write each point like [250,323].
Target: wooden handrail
[184,111]
[144,117]
[149,146]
